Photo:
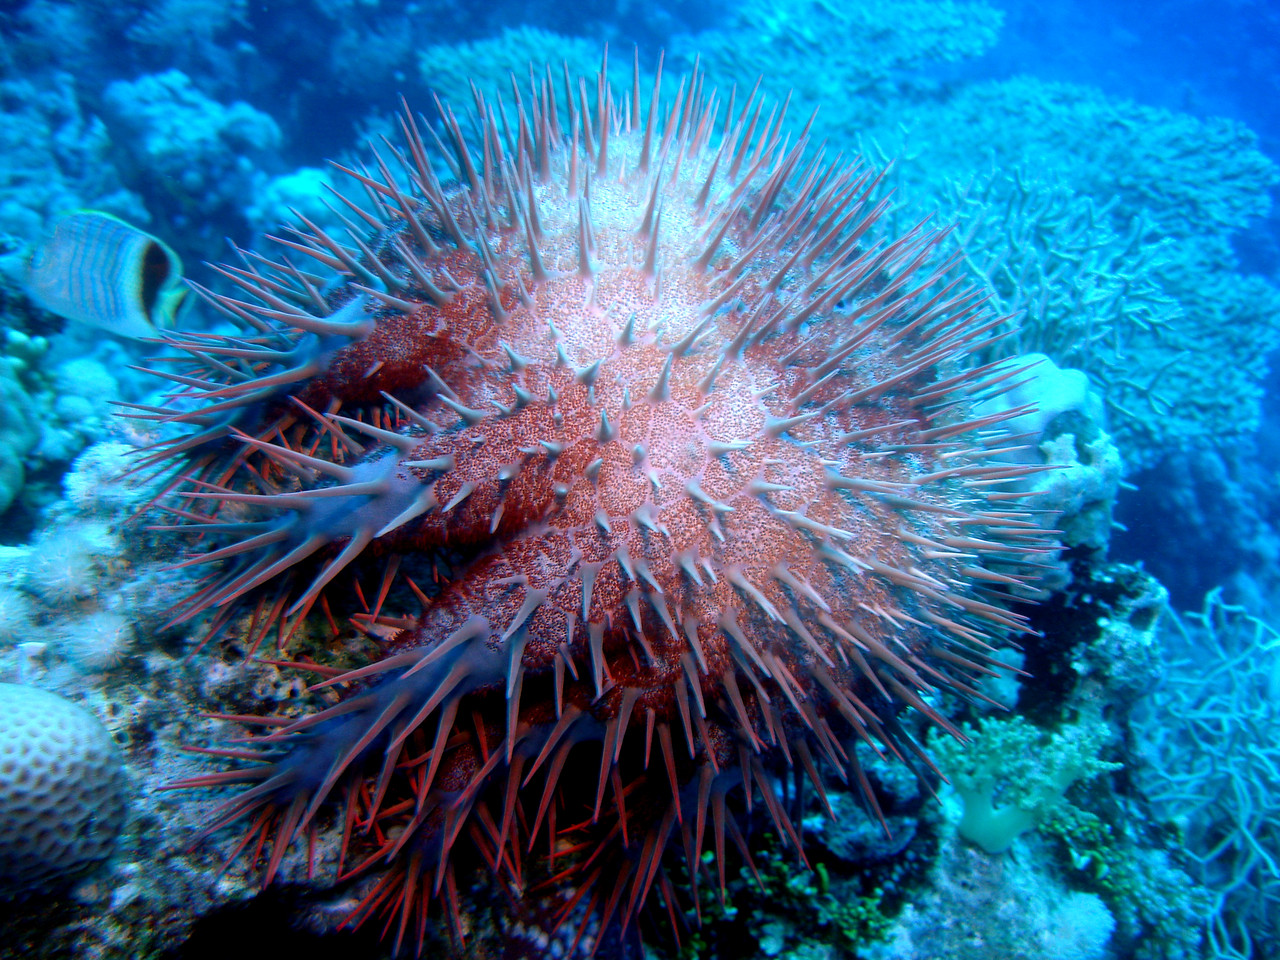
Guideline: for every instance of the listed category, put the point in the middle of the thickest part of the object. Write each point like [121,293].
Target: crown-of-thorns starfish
[688,444]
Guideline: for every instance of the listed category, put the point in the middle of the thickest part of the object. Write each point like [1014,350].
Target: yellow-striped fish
[96,269]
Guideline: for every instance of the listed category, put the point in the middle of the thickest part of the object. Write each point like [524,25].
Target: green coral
[790,911]
[1156,905]
[1091,848]
[830,912]
[1011,775]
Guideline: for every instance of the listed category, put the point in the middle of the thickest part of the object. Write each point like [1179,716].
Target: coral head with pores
[670,442]
[63,792]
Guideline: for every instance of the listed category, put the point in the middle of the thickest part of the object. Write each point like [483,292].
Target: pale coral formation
[871,54]
[62,790]
[1063,425]
[189,155]
[1211,745]
[57,156]
[449,69]
[1076,289]
[95,642]
[1011,776]
[1139,286]
[982,907]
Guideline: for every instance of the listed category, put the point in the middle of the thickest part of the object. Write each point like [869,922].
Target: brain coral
[62,790]
[675,449]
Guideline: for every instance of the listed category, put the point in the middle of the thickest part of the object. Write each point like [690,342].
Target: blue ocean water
[1110,169]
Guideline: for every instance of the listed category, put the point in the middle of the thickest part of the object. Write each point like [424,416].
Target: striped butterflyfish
[96,269]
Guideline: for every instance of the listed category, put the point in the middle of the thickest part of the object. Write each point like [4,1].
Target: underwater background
[1109,168]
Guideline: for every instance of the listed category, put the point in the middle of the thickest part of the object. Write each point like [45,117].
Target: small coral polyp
[679,437]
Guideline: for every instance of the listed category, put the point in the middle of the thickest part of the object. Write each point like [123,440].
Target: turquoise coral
[18,435]
[870,53]
[450,69]
[56,155]
[193,158]
[1211,737]
[1137,285]
[1189,176]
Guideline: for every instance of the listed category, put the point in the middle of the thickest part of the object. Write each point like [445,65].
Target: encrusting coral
[675,448]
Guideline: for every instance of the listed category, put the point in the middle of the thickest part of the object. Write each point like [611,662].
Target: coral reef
[18,434]
[80,586]
[684,448]
[786,909]
[302,191]
[56,157]
[982,906]
[15,614]
[1113,238]
[56,395]
[1209,738]
[872,54]
[1078,494]
[1095,650]
[176,23]
[62,791]
[1160,280]
[1083,294]
[1221,507]
[1159,909]
[1118,247]
[194,160]
[450,69]
[147,895]
[1011,776]
[1188,177]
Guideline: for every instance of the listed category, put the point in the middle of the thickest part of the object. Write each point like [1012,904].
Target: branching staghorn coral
[1176,186]
[1190,176]
[1212,751]
[1078,290]
[1232,325]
